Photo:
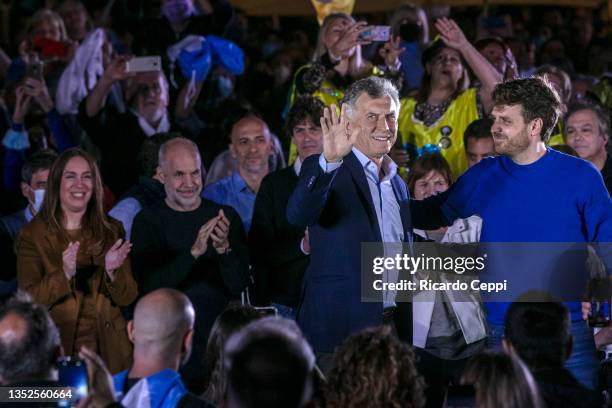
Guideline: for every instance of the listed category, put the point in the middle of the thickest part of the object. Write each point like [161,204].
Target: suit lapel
[363,190]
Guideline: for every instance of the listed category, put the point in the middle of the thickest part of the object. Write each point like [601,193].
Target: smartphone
[267,310]
[144,64]
[376,33]
[73,373]
[50,49]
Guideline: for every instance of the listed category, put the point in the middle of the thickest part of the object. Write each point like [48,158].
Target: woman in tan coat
[72,259]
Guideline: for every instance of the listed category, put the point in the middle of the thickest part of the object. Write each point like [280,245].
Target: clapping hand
[450,33]
[115,256]
[338,139]
[69,258]
[200,246]
[220,234]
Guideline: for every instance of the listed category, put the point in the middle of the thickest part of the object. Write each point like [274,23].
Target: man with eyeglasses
[119,128]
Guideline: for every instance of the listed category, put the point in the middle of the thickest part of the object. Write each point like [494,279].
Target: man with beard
[191,244]
[251,147]
[529,193]
[119,135]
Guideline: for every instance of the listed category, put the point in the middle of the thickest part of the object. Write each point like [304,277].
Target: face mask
[177,11]
[39,195]
[225,86]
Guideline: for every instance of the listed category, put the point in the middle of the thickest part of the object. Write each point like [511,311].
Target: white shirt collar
[164,124]
[388,167]
[297,165]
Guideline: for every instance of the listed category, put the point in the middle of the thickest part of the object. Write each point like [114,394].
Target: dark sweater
[147,192]
[278,263]
[161,256]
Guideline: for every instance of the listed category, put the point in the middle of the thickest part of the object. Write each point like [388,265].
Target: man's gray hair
[603,117]
[374,87]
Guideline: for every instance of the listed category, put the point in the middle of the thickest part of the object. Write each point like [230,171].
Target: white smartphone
[377,33]
[144,64]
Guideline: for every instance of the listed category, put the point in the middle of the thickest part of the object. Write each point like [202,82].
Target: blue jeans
[285,311]
[583,362]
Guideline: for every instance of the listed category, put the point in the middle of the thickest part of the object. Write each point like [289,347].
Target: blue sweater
[559,198]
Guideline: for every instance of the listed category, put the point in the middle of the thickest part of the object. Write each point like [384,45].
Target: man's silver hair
[374,87]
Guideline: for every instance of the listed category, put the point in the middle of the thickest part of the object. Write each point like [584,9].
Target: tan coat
[40,273]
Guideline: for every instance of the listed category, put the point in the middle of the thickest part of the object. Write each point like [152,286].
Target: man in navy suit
[348,195]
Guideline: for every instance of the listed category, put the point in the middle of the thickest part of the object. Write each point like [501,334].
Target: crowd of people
[186,191]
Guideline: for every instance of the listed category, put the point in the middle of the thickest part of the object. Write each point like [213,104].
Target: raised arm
[317,174]
[96,99]
[453,37]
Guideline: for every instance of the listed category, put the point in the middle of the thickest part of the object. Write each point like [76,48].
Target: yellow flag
[326,7]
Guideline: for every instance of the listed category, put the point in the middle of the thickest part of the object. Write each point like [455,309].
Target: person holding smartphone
[337,62]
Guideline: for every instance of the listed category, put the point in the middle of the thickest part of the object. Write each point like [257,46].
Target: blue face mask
[225,86]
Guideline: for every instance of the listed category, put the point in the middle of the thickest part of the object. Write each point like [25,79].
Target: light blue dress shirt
[386,207]
[125,211]
[233,191]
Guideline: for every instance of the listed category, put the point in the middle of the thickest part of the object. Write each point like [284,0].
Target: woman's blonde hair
[50,15]
[358,68]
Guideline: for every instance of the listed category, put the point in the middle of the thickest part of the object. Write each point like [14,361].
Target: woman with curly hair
[374,368]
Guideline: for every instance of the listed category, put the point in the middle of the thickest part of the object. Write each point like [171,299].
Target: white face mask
[39,195]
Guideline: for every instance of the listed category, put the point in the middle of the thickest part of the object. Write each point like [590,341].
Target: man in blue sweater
[528,194]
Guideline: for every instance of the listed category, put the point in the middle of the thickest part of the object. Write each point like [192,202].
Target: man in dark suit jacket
[349,195]
[277,248]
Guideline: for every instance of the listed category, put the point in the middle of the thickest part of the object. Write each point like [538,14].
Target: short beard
[516,145]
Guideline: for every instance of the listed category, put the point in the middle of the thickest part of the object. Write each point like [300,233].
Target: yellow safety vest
[461,112]
[557,138]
